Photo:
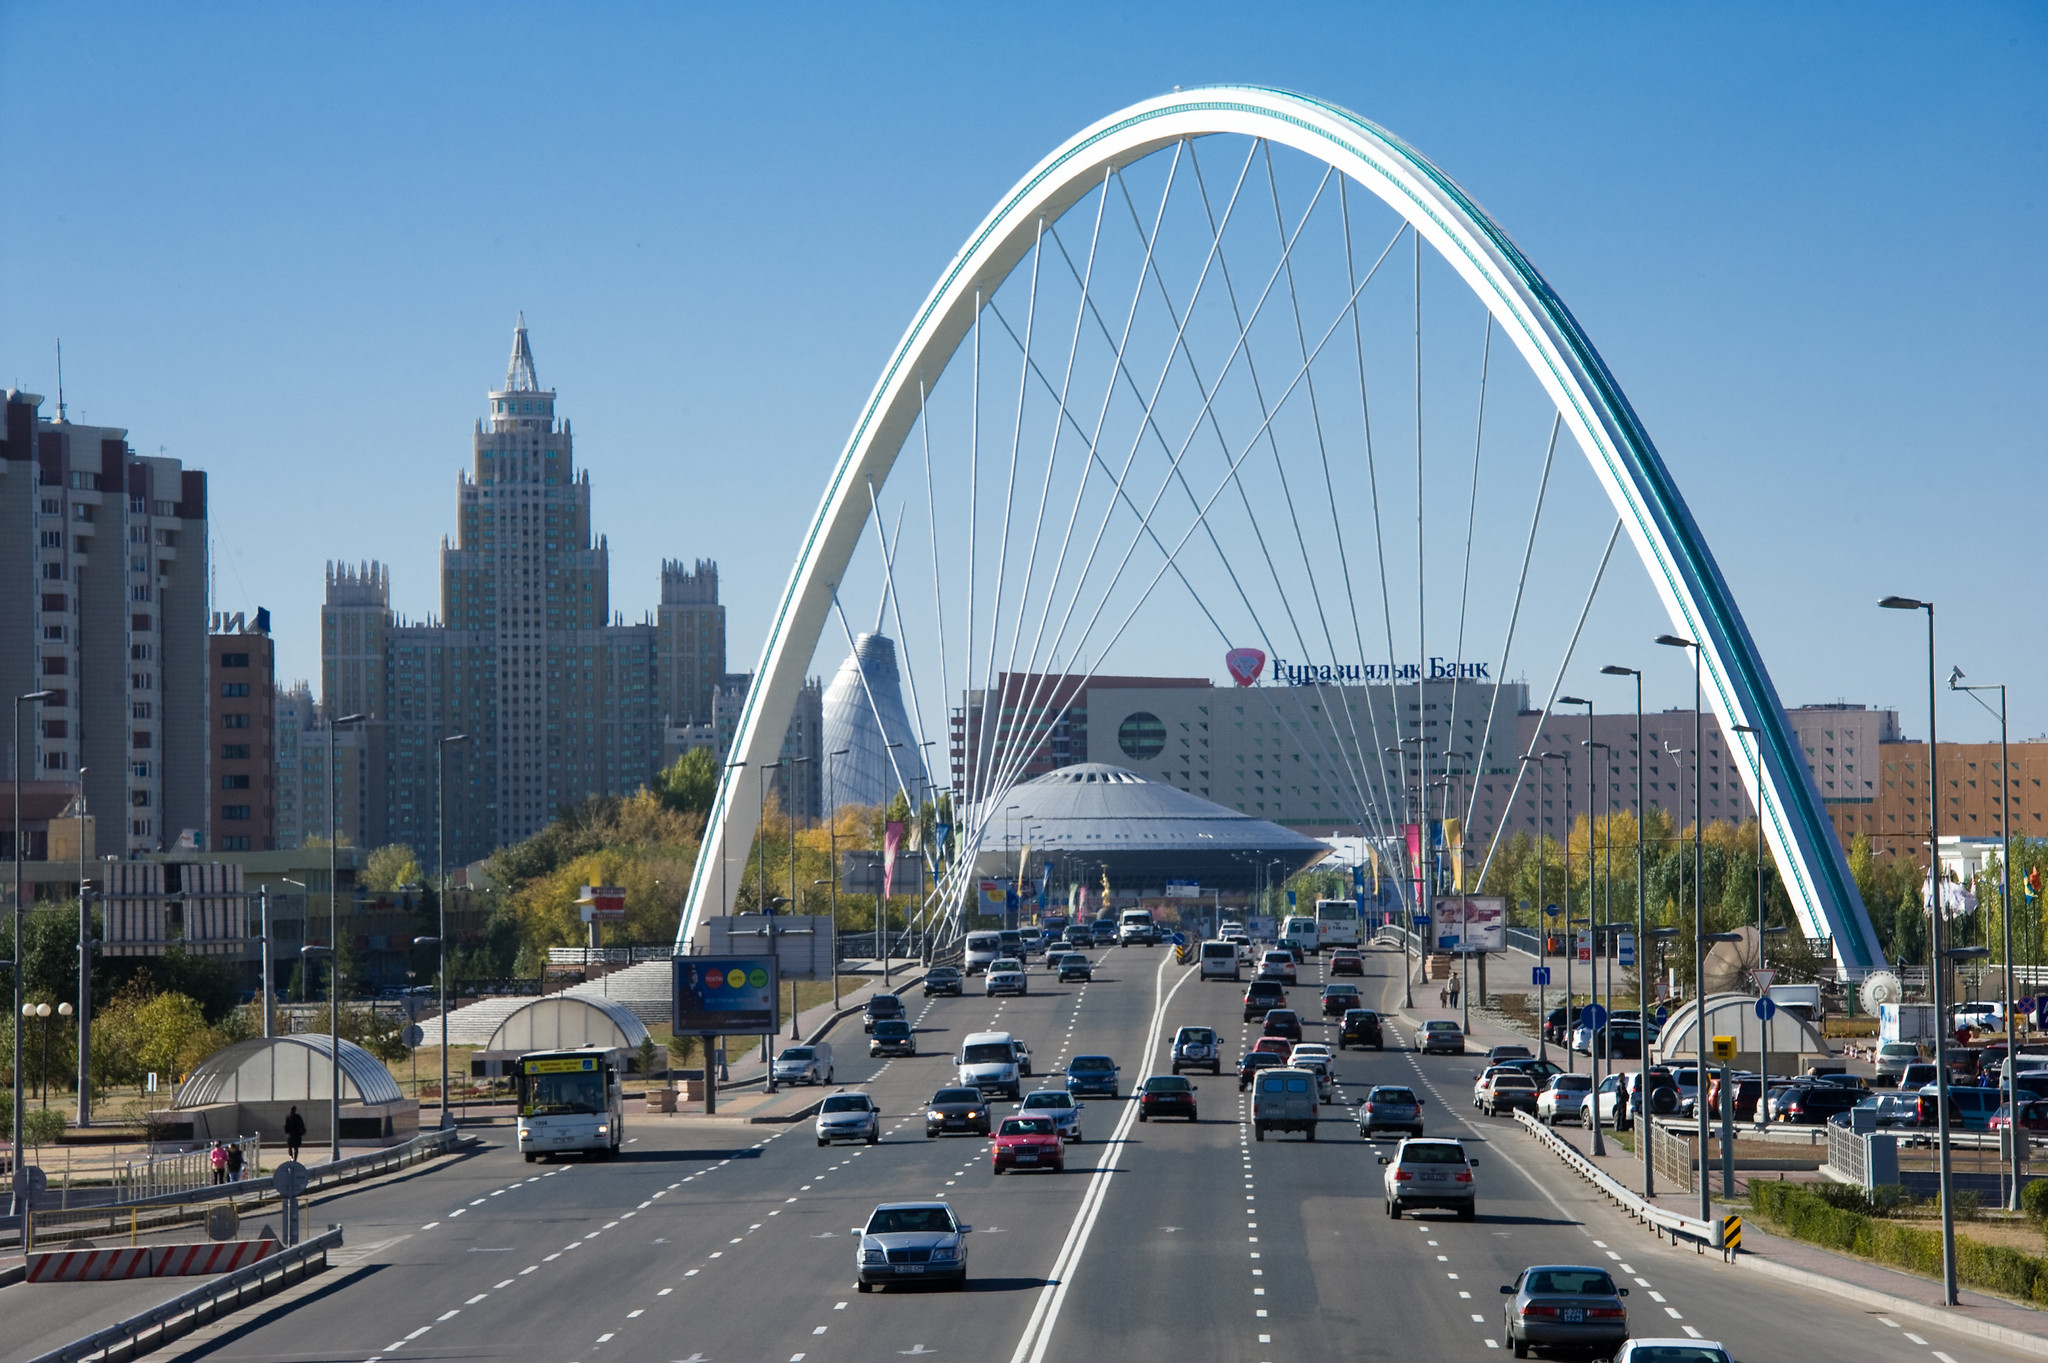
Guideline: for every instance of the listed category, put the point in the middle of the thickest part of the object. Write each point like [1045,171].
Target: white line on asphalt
[500,1287]
[1915,1338]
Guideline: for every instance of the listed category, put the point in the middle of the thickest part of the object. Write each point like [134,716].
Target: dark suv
[879,1007]
[1360,1028]
[1262,997]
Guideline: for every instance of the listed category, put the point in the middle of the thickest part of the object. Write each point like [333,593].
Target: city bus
[570,1100]
[1336,923]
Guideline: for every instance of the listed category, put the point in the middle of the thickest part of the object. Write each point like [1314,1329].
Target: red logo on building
[1245,664]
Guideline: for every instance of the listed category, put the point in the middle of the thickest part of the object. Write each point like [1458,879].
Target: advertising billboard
[726,995]
[1470,923]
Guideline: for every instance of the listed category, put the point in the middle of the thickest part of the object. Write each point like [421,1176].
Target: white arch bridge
[1231,367]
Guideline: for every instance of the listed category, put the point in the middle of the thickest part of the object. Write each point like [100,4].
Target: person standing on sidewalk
[294,1132]
[235,1163]
[218,1159]
[1454,991]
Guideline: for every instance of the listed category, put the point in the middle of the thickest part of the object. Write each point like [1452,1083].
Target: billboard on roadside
[1464,923]
[726,995]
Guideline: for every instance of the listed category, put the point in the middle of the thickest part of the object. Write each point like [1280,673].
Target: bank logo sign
[1245,665]
[1319,674]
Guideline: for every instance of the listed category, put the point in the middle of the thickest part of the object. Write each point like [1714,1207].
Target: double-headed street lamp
[2005,785]
[42,1012]
[20,956]
[1699,930]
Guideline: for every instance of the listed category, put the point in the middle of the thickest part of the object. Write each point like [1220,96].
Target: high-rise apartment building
[292,714]
[103,603]
[243,734]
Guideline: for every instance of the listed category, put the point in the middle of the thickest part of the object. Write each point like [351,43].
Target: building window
[140,681]
[53,667]
[142,738]
[53,539]
[234,782]
[234,721]
[138,653]
[139,798]
[55,761]
[141,709]
[234,752]
[234,690]
[235,842]
[138,828]
[235,813]
[234,660]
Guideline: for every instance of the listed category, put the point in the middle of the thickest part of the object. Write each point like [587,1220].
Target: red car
[1166,1095]
[1344,961]
[1274,1045]
[2033,1117]
[1028,1143]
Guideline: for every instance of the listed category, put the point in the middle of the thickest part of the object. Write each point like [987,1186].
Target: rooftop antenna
[60,380]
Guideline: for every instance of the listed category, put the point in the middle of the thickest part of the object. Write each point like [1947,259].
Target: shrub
[2034,1200]
[42,1126]
[1966,1203]
[1811,1214]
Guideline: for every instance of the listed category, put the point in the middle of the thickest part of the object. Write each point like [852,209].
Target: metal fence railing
[1672,1156]
[178,1172]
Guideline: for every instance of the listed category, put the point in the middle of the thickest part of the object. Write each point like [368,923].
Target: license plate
[910,1268]
[1027,1159]
[1574,1314]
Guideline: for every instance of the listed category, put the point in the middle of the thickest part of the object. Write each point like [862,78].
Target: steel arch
[1523,305]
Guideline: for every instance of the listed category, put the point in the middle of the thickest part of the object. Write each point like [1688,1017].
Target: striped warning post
[1731,1234]
[183,1261]
[92,1265]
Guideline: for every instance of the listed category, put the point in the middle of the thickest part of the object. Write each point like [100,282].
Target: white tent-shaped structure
[560,1022]
[1790,1038]
[253,1085]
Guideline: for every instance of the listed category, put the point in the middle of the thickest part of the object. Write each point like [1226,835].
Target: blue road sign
[1593,1015]
[1551,911]
[1627,956]
[1766,1009]
[1180,939]
[1540,975]
[1663,1015]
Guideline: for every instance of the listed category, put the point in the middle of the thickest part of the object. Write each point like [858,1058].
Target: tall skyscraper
[242,725]
[103,602]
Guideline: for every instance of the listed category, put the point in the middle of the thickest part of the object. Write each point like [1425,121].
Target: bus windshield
[556,1095]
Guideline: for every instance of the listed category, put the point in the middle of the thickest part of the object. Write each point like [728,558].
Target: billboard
[1183,889]
[726,995]
[1470,923]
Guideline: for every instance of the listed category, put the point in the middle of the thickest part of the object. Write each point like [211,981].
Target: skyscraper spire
[519,377]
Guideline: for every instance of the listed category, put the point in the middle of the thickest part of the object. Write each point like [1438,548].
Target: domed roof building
[1093,817]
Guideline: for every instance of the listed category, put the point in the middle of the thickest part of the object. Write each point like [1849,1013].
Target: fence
[160,1324]
[179,1172]
[607,955]
[1672,1157]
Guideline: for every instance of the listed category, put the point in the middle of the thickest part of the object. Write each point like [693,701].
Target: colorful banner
[726,996]
[991,896]
[892,841]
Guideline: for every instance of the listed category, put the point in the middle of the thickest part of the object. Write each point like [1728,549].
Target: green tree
[170,1030]
[690,783]
[391,867]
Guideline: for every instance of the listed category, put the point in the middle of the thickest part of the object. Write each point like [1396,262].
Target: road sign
[1585,946]
[221,1222]
[1663,1015]
[1731,1234]
[1724,1048]
[1763,979]
[1626,946]
[1593,1015]
[1551,911]
[290,1178]
[1540,975]
[1180,939]
[1766,1009]
[412,1036]
[30,1180]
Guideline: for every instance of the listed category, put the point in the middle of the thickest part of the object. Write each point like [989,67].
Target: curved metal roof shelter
[560,1022]
[287,1069]
[1146,831]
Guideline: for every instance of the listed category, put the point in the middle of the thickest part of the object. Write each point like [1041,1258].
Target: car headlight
[945,1254]
[874,1256]
[603,1130]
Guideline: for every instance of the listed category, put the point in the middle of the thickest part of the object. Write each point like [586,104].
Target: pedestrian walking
[294,1132]
[1443,997]
[235,1162]
[218,1158]
[1454,991]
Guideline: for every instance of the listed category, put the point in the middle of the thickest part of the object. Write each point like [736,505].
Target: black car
[1558,1025]
[1252,1063]
[1075,966]
[942,979]
[1813,1104]
[1283,1022]
[1262,997]
[879,1007]
[1339,998]
[892,1036]
[956,1109]
[1166,1095]
[1361,1028]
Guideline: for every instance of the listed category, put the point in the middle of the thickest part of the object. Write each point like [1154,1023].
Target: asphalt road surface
[711,1242]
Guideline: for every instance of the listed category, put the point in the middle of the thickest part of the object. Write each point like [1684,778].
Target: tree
[391,867]
[690,783]
[169,1033]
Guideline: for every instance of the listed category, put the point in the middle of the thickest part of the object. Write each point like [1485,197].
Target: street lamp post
[832,837]
[2005,783]
[1571,943]
[724,899]
[307,954]
[441,858]
[334,934]
[1936,956]
[1542,912]
[1763,990]
[1642,909]
[1699,930]
[14,1167]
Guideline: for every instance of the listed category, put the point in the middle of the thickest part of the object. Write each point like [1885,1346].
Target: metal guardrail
[1706,1233]
[188,1310]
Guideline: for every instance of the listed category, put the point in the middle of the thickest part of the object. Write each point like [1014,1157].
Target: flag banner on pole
[1957,899]
[892,841]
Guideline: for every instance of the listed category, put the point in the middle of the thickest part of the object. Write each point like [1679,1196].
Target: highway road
[712,1242]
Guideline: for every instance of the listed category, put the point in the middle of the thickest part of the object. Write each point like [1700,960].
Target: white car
[1562,1097]
[1006,976]
[1673,1351]
[849,1117]
[1277,965]
[1319,1066]
[1430,1172]
[1057,1104]
[1311,1048]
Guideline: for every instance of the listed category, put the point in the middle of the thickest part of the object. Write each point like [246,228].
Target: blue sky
[286,243]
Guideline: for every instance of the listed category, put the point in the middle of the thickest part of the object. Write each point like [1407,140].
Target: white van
[1283,1100]
[1302,931]
[988,1060]
[1219,961]
[983,948]
[1136,925]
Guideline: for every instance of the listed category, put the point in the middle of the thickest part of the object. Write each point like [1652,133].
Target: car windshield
[1027,1126]
[1167,1083]
[1281,1015]
[1510,1052]
[1090,1064]
[1259,1059]
[1054,1100]
[1361,1015]
[1575,1282]
[944,972]
[890,1028]
[1196,1036]
[1513,1079]
[1440,1025]
[885,1003]
[910,1221]
[1432,1153]
[955,1096]
[990,1053]
[1391,1096]
[1340,990]
[1007,963]
[796,1053]
[846,1102]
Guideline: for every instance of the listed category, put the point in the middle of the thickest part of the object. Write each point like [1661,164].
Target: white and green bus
[570,1101]
[1337,922]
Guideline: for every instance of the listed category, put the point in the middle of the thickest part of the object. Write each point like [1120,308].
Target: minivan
[1136,925]
[1968,1109]
[988,1060]
[1219,961]
[982,948]
[1283,1099]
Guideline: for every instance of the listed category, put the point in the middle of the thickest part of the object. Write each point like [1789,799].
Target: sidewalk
[1794,1262]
